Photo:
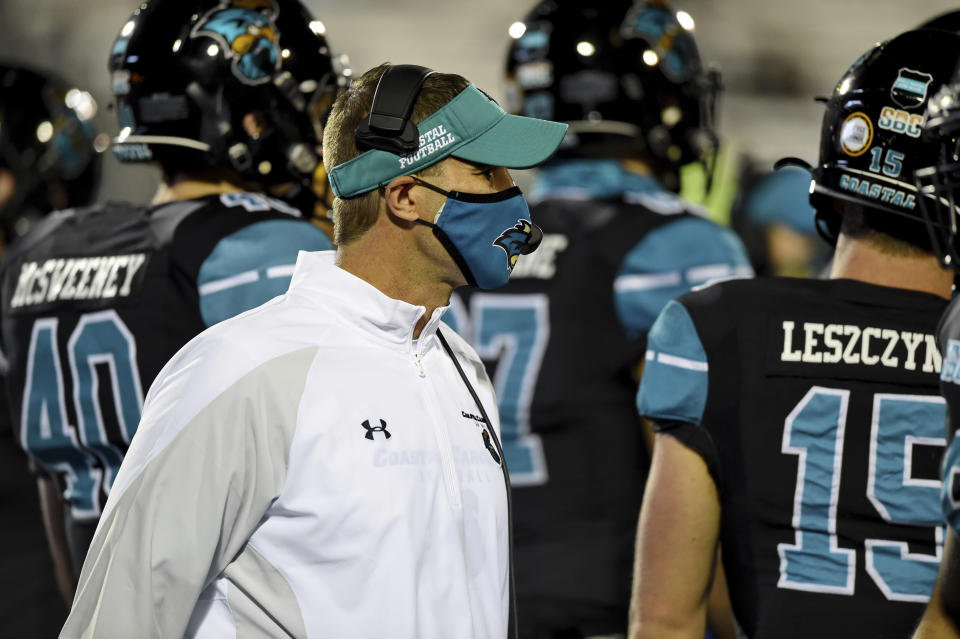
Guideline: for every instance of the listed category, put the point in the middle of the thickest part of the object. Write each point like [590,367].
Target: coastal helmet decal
[247,32]
[515,240]
[909,90]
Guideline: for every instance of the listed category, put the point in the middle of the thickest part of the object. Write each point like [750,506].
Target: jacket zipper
[418,362]
[447,464]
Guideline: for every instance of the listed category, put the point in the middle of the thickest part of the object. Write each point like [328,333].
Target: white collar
[359,303]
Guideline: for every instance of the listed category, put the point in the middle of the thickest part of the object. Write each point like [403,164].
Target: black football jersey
[815,406]
[560,340]
[96,300]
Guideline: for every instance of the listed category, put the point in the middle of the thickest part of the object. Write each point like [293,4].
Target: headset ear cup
[389,127]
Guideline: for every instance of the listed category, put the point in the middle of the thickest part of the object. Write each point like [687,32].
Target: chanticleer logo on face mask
[516,241]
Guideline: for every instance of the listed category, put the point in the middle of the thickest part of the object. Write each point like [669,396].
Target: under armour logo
[382,428]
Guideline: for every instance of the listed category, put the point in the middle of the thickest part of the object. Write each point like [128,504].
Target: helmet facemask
[938,184]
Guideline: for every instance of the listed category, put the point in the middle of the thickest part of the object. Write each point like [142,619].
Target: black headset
[389,127]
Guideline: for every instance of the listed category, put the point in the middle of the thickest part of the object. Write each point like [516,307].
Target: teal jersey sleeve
[668,262]
[253,265]
[674,382]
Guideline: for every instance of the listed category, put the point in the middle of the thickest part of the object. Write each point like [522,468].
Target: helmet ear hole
[255,123]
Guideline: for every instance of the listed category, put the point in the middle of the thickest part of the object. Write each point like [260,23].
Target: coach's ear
[406,203]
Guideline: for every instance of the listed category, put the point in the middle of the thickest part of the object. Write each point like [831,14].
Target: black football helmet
[872,137]
[47,147]
[189,77]
[626,77]
[949,21]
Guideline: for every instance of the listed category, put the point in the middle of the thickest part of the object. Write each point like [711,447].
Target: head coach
[328,464]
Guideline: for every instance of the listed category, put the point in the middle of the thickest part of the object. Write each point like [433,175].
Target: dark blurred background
[775,56]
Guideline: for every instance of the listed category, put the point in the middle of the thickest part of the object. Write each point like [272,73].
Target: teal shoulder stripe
[253,265]
[668,262]
[674,382]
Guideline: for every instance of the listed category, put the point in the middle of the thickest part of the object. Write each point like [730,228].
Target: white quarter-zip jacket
[307,469]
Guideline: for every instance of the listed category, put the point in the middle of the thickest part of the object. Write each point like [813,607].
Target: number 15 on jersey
[814,431]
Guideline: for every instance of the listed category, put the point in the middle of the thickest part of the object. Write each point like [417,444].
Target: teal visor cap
[471,127]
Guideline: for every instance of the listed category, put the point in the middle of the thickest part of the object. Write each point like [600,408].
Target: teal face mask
[485,233]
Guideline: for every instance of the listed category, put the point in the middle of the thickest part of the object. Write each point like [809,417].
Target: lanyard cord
[506,481]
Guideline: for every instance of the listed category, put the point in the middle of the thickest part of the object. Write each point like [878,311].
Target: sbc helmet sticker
[248,35]
[856,134]
[901,122]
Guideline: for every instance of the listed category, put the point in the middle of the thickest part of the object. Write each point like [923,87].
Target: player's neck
[186,186]
[634,165]
[856,259]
